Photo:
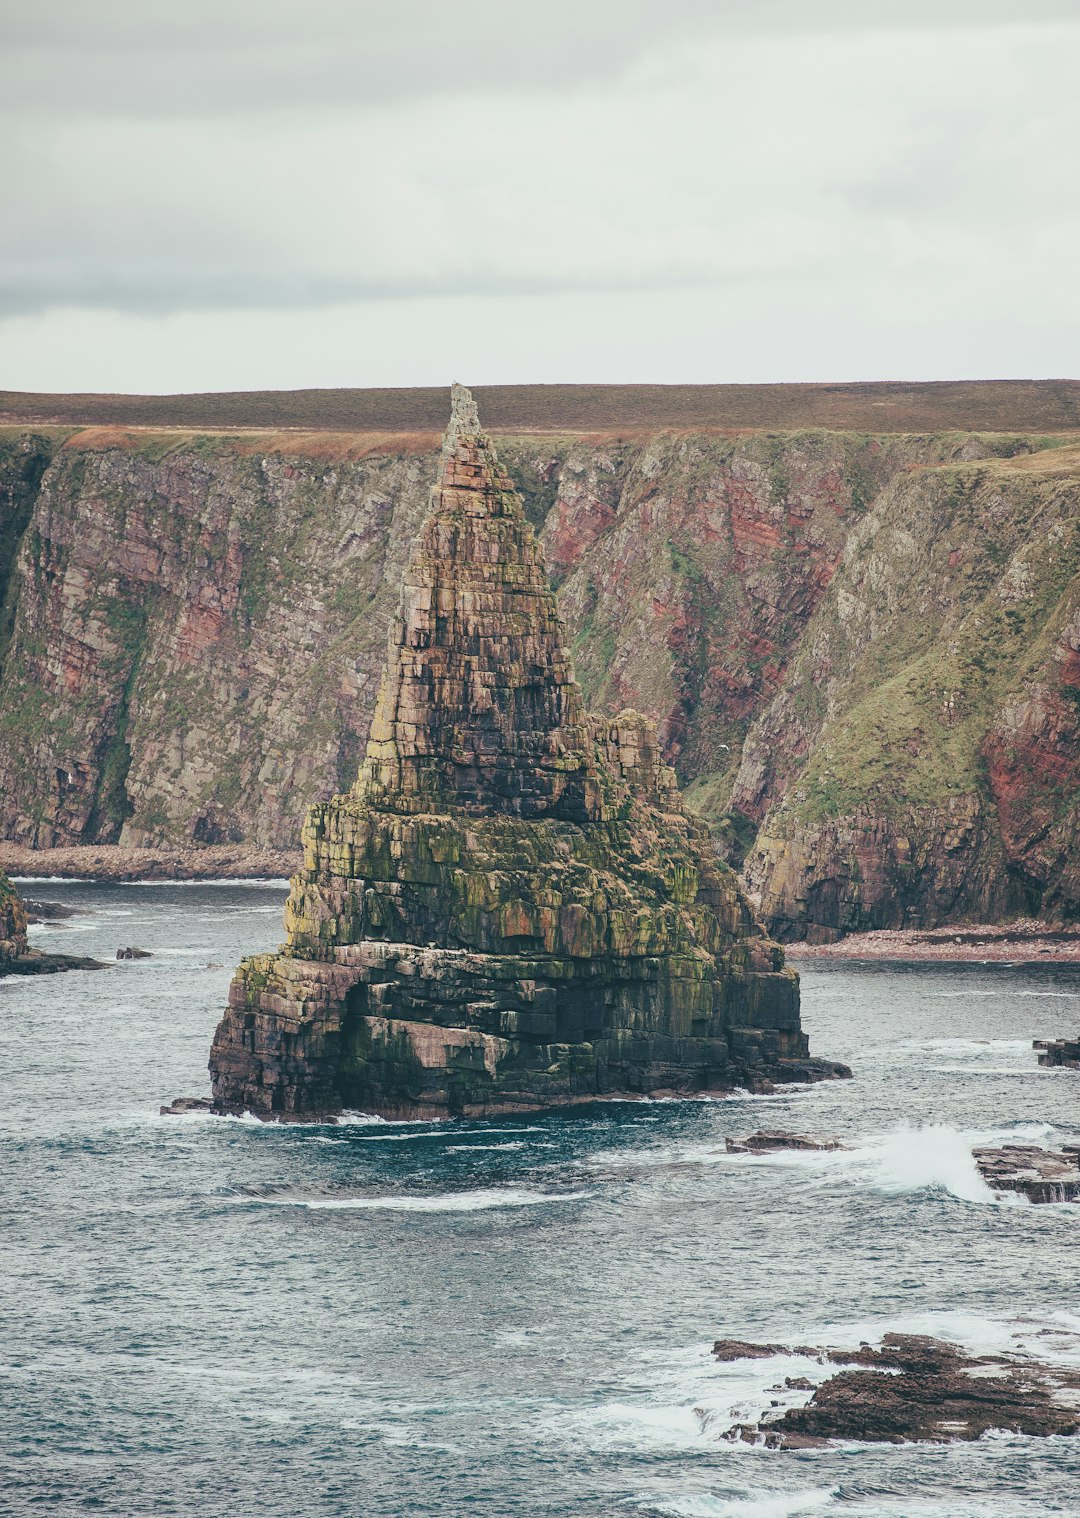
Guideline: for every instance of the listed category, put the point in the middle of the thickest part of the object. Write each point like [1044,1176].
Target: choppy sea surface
[205,1316]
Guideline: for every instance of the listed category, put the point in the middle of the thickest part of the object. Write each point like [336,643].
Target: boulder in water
[769,1140]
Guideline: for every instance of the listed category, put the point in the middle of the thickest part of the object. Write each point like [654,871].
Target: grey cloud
[156,290]
[128,57]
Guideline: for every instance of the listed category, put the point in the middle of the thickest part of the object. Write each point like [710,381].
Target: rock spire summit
[478,708]
[464,418]
[511,908]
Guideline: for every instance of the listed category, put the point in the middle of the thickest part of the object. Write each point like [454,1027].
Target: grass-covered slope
[921,761]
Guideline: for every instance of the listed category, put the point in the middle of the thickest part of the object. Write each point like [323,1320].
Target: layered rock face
[511,907]
[921,762]
[862,651]
[13,943]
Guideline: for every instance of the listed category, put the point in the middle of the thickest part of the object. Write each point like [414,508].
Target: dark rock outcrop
[726,1350]
[47,911]
[511,907]
[916,1389]
[13,943]
[769,1140]
[182,1106]
[16,956]
[1059,1052]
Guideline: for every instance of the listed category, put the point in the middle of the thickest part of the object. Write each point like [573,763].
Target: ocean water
[210,1317]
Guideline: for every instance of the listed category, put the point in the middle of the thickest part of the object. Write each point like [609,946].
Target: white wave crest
[752,1504]
[461,1201]
[927,1159]
[909,1160]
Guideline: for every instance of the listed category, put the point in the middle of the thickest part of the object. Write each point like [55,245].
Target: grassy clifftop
[894,406]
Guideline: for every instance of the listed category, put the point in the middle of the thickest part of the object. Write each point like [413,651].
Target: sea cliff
[862,650]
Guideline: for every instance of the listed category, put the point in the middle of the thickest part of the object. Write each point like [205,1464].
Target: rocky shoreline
[113,863]
[1026,941]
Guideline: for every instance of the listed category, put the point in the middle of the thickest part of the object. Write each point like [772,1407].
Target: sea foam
[480,1200]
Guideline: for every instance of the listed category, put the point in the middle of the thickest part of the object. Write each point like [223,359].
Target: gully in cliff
[511,908]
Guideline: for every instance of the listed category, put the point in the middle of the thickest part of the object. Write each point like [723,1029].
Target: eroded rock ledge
[512,907]
[911,1389]
[16,955]
[1041,1175]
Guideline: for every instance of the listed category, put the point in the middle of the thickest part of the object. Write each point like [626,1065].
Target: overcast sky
[241,194]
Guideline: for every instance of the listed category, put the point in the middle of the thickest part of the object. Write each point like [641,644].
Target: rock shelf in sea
[910,1389]
[1058,1052]
[1041,1175]
[512,907]
[16,955]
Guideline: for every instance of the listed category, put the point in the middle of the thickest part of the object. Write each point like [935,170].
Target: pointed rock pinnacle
[464,418]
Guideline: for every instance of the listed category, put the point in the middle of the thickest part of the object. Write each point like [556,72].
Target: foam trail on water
[464,1201]
[749,1505]
[444,1133]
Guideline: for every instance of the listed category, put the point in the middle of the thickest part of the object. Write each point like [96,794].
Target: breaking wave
[750,1504]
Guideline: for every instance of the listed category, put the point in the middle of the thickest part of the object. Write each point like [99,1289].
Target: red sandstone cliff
[862,651]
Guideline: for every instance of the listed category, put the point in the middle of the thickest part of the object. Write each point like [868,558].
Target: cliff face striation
[861,650]
[511,906]
[921,761]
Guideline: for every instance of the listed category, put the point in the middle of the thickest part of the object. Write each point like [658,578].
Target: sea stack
[13,944]
[511,908]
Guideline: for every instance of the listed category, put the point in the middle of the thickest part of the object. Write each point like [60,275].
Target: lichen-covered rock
[511,907]
[12,923]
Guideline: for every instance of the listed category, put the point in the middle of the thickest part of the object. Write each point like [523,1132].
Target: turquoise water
[206,1316]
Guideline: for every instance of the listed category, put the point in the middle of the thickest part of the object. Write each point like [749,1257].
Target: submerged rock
[1038,1174]
[766,1140]
[917,1389]
[182,1105]
[511,907]
[133,953]
[726,1350]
